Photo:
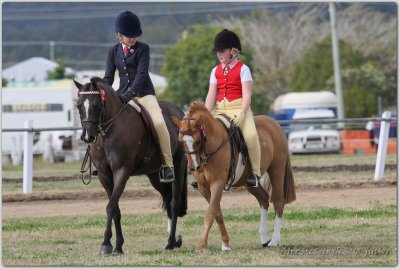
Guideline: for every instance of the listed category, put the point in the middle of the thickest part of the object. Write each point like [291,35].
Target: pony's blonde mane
[198,106]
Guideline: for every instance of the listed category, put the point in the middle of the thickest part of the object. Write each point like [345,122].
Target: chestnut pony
[208,153]
[121,146]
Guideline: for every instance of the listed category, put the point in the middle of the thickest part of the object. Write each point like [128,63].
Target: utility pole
[336,63]
[52,44]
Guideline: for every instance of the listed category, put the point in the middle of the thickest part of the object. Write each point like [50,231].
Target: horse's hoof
[178,243]
[118,252]
[106,249]
[168,247]
[265,245]
[226,250]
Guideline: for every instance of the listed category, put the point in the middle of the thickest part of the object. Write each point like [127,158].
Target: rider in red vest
[231,89]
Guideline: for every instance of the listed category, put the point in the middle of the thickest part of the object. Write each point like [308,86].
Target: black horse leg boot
[253,181]
[167,174]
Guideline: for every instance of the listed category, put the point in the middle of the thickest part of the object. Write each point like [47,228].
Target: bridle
[102,127]
[203,156]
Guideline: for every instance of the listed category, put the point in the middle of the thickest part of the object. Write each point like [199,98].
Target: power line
[73,43]
[78,15]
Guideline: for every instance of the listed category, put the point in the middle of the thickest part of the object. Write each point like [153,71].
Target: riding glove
[127,96]
[239,118]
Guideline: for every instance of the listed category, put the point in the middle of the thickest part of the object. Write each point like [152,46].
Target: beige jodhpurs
[149,102]
[248,128]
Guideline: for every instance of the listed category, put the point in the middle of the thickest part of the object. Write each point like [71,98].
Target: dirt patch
[353,197]
[318,169]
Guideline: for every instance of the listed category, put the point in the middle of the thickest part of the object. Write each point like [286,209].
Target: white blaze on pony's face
[189,143]
[86,106]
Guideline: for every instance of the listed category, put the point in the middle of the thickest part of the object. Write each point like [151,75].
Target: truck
[314,138]
[309,137]
[50,104]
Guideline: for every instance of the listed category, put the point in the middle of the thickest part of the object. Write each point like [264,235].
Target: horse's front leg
[113,212]
[214,192]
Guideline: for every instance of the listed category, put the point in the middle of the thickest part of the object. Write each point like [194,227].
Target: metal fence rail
[309,121]
[379,167]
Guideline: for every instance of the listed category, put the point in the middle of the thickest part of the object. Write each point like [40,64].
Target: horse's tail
[288,183]
[184,201]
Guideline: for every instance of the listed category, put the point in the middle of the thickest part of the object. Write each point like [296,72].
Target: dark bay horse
[208,153]
[120,146]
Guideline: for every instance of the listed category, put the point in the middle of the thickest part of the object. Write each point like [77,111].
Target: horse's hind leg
[277,177]
[171,202]
[261,194]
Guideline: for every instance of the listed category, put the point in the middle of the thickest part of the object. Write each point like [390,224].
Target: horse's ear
[77,84]
[175,120]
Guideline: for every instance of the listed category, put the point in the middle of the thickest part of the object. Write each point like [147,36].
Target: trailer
[49,104]
[308,138]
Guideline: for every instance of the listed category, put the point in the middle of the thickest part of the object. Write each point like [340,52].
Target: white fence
[379,167]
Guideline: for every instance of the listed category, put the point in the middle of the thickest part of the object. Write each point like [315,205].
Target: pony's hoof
[265,245]
[168,247]
[178,242]
[226,250]
[106,249]
[200,250]
[118,252]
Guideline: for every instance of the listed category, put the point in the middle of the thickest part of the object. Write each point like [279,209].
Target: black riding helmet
[226,40]
[128,24]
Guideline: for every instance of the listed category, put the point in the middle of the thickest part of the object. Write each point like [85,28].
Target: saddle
[237,142]
[150,129]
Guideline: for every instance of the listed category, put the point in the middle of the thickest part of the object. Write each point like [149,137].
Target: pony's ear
[176,120]
[77,84]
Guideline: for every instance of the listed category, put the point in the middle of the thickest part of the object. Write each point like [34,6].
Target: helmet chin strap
[226,68]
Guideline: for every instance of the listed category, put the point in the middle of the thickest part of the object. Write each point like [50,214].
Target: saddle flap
[237,141]
[148,122]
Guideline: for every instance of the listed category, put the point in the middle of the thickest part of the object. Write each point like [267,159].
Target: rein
[100,125]
[204,157]
[83,170]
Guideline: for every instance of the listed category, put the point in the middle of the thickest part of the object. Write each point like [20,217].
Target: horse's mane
[96,80]
[99,81]
[197,106]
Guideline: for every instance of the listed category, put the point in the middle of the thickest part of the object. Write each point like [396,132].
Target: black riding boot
[167,174]
[95,173]
[253,181]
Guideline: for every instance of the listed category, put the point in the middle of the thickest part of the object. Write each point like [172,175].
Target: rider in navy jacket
[131,58]
[133,69]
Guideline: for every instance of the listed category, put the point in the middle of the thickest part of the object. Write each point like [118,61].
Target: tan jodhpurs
[248,128]
[149,102]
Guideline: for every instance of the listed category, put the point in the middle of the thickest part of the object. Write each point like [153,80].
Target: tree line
[291,51]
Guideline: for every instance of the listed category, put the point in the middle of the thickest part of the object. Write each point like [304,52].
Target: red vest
[231,85]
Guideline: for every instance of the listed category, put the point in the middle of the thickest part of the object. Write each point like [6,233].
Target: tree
[4,82]
[280,39]
[313,71]
[359,103]
[371,78]
[58,72]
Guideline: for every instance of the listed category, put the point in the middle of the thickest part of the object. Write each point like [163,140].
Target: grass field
[311,236]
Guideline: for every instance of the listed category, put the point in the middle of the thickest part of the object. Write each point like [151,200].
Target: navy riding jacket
[133,69]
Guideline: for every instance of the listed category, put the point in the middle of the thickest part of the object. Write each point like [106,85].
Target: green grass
[75,241]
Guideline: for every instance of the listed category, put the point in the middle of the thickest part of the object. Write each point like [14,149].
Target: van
[315,137]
